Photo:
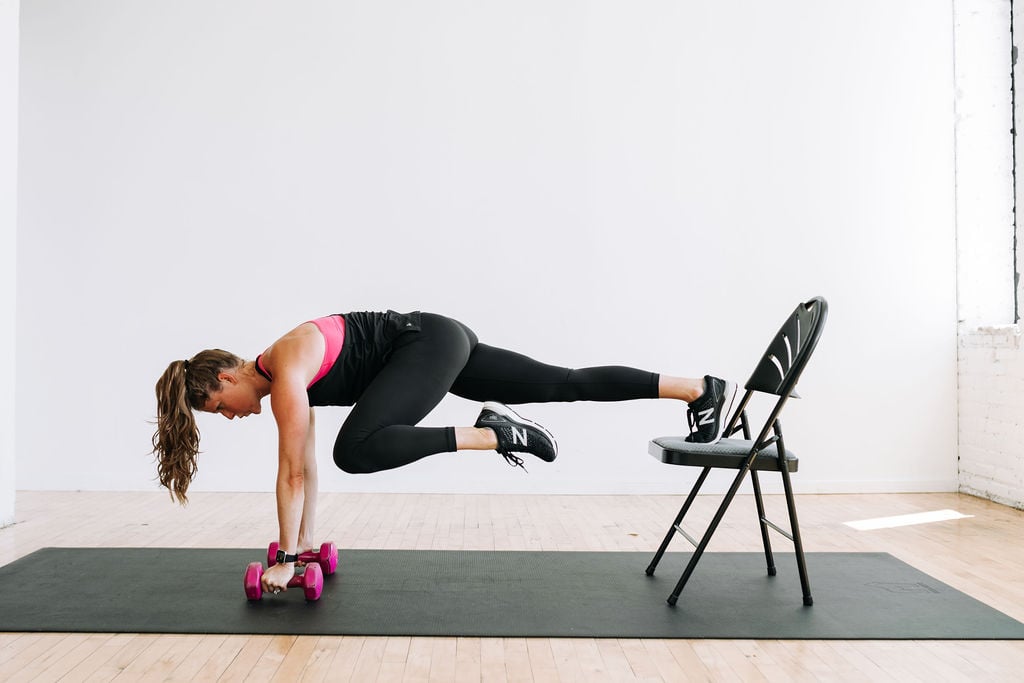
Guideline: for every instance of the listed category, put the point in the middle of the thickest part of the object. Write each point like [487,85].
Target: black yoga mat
[478,593]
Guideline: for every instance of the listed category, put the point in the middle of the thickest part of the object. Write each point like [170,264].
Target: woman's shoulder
[300,349]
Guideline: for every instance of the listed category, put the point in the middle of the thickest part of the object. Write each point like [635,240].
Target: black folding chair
[777,373]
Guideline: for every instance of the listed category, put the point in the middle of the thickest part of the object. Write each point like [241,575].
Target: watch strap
[283,558]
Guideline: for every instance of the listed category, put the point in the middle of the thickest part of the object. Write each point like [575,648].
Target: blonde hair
[185,386]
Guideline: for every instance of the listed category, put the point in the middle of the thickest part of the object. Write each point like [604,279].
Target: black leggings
[445,356]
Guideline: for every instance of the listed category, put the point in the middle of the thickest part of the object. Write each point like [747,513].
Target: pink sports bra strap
[262,370]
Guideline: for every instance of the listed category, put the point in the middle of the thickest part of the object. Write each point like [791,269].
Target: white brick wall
[991,414]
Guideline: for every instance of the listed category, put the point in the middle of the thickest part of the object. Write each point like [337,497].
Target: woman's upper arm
[290,404]
[296,358]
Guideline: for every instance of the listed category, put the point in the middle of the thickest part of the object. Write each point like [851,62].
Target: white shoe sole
[729,397]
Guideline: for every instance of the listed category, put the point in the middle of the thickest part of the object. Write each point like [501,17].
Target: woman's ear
[227,377]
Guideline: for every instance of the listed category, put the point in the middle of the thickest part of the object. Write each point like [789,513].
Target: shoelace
[513,460]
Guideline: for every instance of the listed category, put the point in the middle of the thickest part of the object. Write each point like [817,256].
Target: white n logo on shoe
[706,417]
[519,435]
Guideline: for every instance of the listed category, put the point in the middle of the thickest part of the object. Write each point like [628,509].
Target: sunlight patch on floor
[906,520]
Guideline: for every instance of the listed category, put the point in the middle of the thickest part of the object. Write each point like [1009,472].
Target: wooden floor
[982,556]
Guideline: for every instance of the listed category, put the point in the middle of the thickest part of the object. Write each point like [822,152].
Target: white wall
[984,163]
[653,183]
[8,248]
[991,357]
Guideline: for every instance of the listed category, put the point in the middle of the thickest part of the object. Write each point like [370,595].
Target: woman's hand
[276,578]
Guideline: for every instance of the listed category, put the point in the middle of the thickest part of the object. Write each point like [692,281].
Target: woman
[394,369]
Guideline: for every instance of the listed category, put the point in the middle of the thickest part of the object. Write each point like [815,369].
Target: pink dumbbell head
[272,553]
[253,587]
[312,582]
[329,558]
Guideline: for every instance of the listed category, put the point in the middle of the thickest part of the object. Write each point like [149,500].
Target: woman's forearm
[290,503]
[307,529]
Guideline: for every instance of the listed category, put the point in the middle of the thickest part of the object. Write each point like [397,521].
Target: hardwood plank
[154,648]
[271,659]
[343,664]
[640,663]
[181,649]
[664,660]
[417,660]
[294,662]
[492,660]
[189,661]
[443,655]
[542,660]
[245,659]
[689,660]
[57,660]
[573,661]
[121,659]
[219,659]
[852,653]
[517,660]
[13,644]
[367,664]
[468,660]
[614,665]
[318,666]
[101,649]
[32,650]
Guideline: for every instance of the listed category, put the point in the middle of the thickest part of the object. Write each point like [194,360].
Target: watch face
[281,557]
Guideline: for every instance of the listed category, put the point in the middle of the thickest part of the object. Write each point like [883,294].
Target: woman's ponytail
[185,386]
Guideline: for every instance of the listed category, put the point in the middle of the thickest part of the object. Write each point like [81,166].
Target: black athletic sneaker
[516,434]
[707,415]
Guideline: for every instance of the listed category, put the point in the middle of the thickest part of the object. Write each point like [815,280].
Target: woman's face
[235,398]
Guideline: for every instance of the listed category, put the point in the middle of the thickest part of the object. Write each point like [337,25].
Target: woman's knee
[354,465]
[353,456]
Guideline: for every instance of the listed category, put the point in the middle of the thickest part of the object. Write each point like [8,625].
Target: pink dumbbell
[311,581]
[326,557]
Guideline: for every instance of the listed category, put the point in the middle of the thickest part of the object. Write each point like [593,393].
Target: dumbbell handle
[309,556]
[306,556]
[326,556]
[311,582]
[295,581]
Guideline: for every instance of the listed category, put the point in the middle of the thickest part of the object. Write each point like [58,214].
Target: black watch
[283,558]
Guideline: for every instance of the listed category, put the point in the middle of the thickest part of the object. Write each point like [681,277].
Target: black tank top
[369,339]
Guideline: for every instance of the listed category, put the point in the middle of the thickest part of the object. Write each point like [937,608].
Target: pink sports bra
[333,329]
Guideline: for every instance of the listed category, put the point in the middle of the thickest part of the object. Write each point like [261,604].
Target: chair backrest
[780,366]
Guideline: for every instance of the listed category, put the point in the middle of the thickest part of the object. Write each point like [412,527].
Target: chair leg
[679,518]
[801,564]
[766,540]
[674,597]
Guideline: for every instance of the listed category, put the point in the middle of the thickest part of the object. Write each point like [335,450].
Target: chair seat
[726,454]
